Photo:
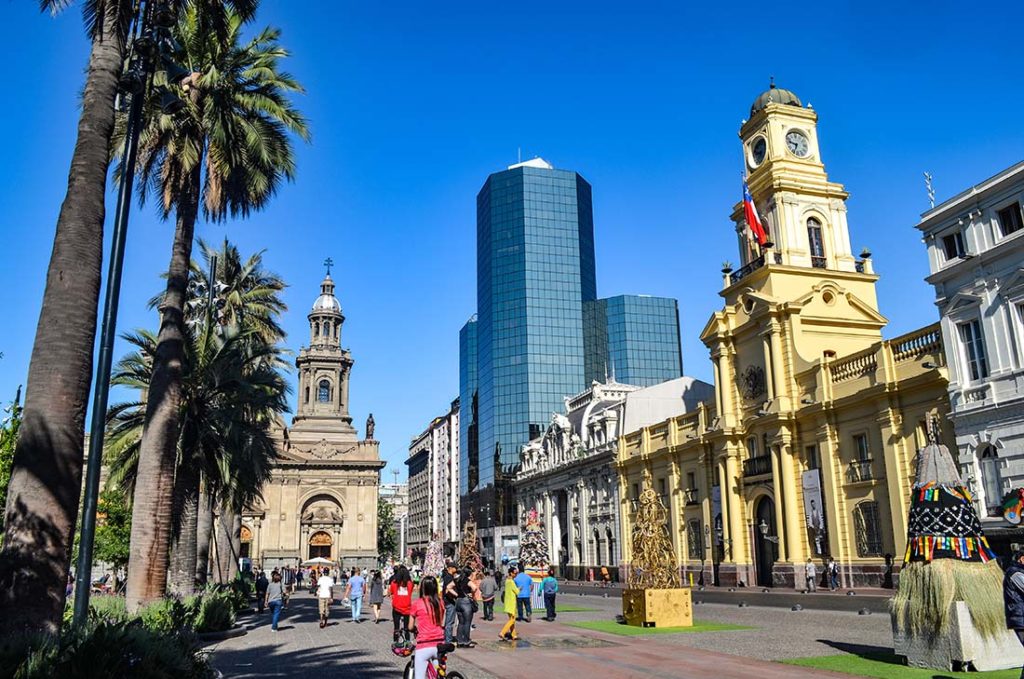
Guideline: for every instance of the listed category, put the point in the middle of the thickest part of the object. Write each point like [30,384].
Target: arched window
[316,329]
[323,393]
[307,394]
[816,243]
[991,481]
[868,529]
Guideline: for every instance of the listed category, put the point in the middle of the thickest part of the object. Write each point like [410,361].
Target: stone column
[731,496]
[344,391]
[584,508]
[769,365]
[794,513]
[780,524]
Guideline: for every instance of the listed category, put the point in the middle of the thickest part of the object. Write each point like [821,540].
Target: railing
[746,270]
[819,262]
[690,496]
[859,266]
[911,346]
[860,470]
[849,368]
[756,466]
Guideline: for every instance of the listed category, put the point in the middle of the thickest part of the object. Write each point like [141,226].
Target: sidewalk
[558,651]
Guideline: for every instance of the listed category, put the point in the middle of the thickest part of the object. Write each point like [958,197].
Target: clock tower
[794,304]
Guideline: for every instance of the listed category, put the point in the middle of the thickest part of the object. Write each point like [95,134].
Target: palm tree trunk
[204,534]
[227,564]
[46,478]
[183,545]
[154,487]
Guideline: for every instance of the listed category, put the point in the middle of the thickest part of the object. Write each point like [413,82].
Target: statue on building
[370,427]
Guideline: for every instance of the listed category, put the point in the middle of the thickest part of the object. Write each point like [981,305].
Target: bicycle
[436,669]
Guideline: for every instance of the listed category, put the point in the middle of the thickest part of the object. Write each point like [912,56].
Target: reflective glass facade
[535,269]
[636,337]
[469,449]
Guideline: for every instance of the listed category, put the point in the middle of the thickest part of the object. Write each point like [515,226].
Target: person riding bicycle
[427,622]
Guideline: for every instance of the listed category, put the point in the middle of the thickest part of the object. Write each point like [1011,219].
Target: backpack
[550,585]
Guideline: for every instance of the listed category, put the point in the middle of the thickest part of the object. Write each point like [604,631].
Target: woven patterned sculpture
[533,547]
[654,561]
[469,548]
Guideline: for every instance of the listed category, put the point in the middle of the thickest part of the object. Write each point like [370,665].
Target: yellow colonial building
[808,449]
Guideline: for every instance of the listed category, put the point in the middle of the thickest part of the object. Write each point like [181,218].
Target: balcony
[739,274]
[757,466]
[819,262]
[860,470]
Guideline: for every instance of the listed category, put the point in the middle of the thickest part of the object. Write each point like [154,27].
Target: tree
[46,475]
[113,528]
[387,537]
[225,154]
[8,441]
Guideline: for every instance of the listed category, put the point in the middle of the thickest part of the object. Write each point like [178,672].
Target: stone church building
[321,500]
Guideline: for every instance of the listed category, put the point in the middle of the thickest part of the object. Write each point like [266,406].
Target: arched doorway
[245,551]
[765,551]
[320,545]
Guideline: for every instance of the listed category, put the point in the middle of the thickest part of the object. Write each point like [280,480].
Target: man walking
[832,569]
[488,590]
[354,593]
[812,576]
[448,597]
[1013,597]
[324,594]
[549,586]
[524,609]
[261,591]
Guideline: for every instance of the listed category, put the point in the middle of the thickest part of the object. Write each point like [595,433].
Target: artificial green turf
[569,608]
[888,666]
[613,627]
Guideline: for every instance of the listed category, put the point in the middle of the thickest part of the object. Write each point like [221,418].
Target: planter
[959,646]
[657,607]
[236,631]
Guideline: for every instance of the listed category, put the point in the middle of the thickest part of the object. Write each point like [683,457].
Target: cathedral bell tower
[324,367]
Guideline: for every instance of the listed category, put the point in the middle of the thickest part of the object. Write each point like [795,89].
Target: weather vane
[930,188]
[328,263]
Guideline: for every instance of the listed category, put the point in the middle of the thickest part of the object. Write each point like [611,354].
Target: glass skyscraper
[633,337]
[535,269]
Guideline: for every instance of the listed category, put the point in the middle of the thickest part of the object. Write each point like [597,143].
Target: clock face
[797,143]
[758,150]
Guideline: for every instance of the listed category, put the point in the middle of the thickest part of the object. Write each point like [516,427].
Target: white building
[975,246]
[568,473]
[434,483]
[397,495]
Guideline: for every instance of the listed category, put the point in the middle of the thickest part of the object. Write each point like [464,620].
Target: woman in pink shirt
[427,620]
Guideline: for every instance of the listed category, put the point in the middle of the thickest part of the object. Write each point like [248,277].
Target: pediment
[962,301]
[815,305]
[1013,286]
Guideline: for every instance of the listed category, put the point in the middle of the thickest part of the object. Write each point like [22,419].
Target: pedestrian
[510,601]
[298,578]
[376,595]
[400,592]
[261,590]
[812,576]
[606,577]
[448,597]
[1013,597]
[549,587]
[525,584]
[274,598]
[427,616]
[488,588]
[832,570]
[324,595]
[354,593]
[464,595]
[287,578]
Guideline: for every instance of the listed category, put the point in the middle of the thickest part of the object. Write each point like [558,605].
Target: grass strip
[889,666]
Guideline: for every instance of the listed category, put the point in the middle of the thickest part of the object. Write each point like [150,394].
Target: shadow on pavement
[268,661]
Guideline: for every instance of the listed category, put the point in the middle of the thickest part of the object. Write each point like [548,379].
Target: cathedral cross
[328,263]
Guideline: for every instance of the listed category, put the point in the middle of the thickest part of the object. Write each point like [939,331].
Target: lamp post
[149,45]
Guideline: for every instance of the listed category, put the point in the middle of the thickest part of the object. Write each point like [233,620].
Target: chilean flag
[753,219]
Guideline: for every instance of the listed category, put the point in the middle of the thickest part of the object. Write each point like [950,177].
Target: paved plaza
[558,650]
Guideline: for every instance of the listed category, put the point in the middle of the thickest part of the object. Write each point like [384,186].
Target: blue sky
[413,106]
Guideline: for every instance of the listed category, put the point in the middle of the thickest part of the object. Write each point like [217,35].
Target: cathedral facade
[321,500]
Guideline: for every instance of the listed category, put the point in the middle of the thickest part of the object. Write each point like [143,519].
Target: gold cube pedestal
[657,607]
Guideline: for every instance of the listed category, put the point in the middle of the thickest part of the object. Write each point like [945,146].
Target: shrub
[108,607]
[169,615]
[215,612]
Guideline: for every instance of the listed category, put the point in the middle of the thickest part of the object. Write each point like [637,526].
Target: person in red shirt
[400,593]
[427,622]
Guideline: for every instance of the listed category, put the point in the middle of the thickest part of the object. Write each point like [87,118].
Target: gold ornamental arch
[320,539]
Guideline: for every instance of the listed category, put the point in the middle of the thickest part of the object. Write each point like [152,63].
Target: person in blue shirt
[524,609]
[354,593]
[549,586]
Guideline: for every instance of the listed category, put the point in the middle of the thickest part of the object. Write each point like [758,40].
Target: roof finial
[328,263]
[931,190]
[771,82]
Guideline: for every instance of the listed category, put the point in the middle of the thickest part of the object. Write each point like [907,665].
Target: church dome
[774,95]
[327,301]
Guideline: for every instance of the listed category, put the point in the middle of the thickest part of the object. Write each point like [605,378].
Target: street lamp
[764,528]
[151,31]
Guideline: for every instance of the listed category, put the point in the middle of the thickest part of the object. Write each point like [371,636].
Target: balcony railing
[860,470]
[756,466]
[819,262]
[746,270]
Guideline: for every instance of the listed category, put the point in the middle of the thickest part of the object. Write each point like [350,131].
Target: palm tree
[225,154]
[46,478]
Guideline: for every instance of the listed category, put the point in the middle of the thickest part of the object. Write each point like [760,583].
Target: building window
[816,243]
[974,349]
[307,394]
[751,447]
[691,481]
[693,540]
[812,457]
[1010,219]
[991,481]
[868,529]
[323,393]
[953,246]
[860,444]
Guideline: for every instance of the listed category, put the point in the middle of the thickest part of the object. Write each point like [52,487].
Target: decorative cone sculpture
[469,548]
[948,608]
[533,546]
[433,563]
